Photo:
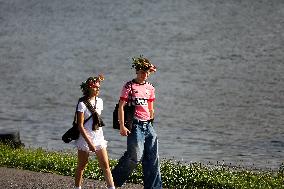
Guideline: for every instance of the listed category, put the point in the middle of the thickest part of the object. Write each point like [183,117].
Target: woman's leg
[104,165]
[82,162]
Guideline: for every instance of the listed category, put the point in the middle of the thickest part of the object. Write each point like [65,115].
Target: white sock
[111,187]
[78,187]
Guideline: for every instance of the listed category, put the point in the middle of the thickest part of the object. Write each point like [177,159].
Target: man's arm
[123,130]
[151,109]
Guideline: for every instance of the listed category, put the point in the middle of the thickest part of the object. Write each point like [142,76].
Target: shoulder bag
[73,133]
[129,110]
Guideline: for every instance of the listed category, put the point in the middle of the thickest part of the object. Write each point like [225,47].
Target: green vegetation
[174,174]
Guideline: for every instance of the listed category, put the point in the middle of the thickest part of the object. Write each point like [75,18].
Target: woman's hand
[92,148]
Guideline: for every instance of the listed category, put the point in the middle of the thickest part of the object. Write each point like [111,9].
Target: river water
[219,84]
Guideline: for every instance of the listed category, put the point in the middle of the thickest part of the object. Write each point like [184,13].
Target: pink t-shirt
[141,95]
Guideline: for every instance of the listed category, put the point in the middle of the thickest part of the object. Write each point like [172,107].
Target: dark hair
[86,86]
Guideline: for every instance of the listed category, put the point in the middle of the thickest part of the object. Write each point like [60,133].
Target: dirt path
[22,179]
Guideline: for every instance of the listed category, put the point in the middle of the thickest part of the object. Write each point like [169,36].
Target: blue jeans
[142,145]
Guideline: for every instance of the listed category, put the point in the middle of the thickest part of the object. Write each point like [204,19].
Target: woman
[91,137]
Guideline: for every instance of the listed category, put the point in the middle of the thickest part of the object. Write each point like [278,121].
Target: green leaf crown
[141,63]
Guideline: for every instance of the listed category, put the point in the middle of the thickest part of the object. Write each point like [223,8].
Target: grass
[174,174]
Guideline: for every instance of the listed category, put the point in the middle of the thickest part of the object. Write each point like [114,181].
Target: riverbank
[23,179]
[174,174]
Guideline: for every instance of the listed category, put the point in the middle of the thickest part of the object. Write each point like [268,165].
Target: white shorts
[97,137]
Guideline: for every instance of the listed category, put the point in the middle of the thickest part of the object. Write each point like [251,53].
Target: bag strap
[85,121]
[75,116]
[97,119]
[89,105]
[130,93]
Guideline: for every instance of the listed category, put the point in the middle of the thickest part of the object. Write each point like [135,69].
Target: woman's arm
[80,121]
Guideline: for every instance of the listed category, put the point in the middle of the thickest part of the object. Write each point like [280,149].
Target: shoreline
[42,170]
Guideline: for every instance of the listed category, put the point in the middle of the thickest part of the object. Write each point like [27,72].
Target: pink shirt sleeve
[124,92]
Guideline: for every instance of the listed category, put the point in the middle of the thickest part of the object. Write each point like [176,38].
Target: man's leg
[150,162]
[128,162]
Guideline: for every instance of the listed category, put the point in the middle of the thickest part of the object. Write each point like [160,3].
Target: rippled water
[220,83]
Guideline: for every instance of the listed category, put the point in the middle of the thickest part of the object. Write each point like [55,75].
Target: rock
[11,138]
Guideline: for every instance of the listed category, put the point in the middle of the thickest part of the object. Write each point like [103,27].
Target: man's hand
[124,131]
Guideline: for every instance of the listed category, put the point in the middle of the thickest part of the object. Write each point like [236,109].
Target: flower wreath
[92,82]
[141,63]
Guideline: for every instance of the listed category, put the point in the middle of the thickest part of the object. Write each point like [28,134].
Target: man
[142,142]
